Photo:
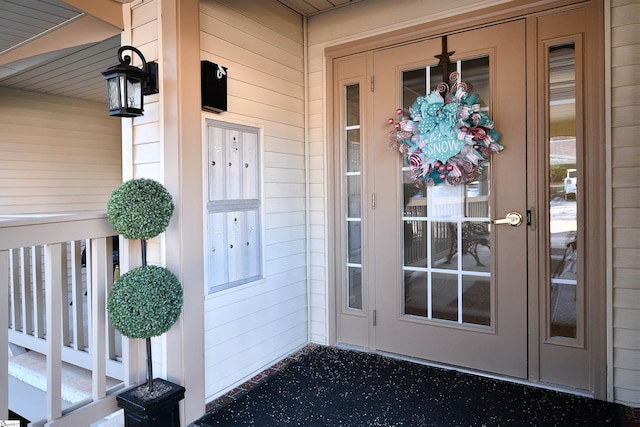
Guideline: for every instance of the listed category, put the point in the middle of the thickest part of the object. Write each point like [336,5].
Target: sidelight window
[565,187]
[353,183]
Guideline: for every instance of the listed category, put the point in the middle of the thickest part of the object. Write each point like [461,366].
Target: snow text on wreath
[445,138]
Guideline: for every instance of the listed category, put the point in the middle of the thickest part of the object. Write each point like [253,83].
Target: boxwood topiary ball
[145,302]
[140,209]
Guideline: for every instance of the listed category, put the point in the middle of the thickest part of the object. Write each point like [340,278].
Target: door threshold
[546,386]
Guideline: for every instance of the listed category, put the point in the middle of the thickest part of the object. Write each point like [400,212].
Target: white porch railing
[43,283]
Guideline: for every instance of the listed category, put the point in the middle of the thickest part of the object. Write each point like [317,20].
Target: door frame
[595,214]
[500,347]
[592,226]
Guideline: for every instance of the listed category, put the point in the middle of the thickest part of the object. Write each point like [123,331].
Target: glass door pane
[447,243]
[353,183]
[563,190]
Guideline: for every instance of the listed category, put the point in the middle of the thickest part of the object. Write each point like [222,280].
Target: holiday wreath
[446,137]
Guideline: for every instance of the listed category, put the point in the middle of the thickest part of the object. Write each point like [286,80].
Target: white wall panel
[251,326]
[146,132]
[146,153]
[148,170]
[285,189]
[272,174]
[283,145]
[282,22]
[284,220]
[625,45]
[279,205]
[276,235]
[56,154]
[144,13]
[224,374]
[262,322]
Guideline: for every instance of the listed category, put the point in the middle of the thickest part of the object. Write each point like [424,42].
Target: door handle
[514,219]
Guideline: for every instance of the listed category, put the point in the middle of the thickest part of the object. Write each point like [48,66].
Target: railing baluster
[64,287]
[54,277]
[101,264]
[25,290]
[111,339]
[76,296]
[38,291]
[89,275]
[4,335]
[14,290]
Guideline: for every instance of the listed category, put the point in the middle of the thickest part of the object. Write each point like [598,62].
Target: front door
[438,271]
[450,285]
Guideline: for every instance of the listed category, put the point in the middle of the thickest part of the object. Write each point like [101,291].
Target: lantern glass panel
[134,93]
[113,92]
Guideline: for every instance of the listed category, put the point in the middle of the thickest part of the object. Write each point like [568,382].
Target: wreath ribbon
[445,137]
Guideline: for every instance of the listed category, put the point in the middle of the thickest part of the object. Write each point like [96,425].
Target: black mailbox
[213,86]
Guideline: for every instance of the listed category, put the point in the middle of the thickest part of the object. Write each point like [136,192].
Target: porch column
[182,168]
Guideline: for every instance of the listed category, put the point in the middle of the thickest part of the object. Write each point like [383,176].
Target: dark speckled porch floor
[325,386]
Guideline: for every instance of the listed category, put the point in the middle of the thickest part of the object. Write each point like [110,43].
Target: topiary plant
[146,301]
[140,209]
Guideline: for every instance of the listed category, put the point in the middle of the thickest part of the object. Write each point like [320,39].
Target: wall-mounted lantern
[127,85]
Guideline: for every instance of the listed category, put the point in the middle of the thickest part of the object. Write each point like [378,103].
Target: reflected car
[570,183]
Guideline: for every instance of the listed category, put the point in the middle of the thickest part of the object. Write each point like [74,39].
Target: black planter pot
[144,410]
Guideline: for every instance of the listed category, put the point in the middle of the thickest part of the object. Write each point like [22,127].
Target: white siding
[142,148]
[56,154]
[249,327]
[625,155]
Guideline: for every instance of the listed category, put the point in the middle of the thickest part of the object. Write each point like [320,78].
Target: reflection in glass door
[353,180]
[563,190]
[447,232]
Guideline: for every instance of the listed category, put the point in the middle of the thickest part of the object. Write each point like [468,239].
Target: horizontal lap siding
[142,145]
[145,147]
[319,285]
[625,146]
[56,154]
[249,327]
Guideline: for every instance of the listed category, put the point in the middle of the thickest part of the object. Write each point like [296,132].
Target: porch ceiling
[314,7]
[54,47]
[60,47]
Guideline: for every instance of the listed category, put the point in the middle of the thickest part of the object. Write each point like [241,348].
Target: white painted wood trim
[15,298]
[53,293]
[25,288]
[76,289]
[98,299]
[92,411]
[38,294]
[181,164]
[608,198]
[4,335]
[81,359]
[53,229]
